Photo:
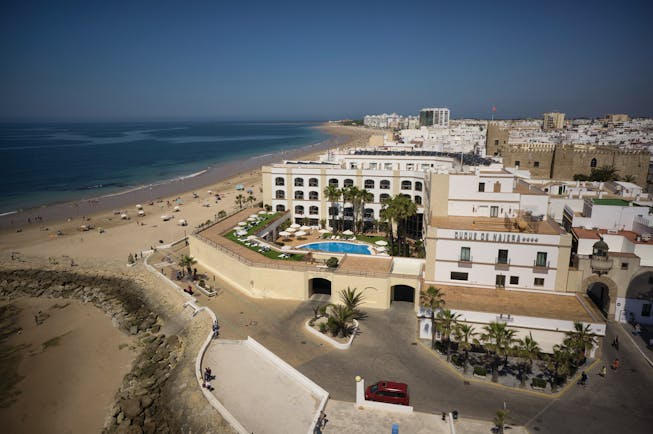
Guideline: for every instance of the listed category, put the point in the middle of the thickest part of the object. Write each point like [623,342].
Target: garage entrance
[319,286]
[600,295]
[403,293]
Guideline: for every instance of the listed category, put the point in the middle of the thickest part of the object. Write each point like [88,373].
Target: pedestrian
[207,374]
[583,379]
[603,372]
[615,343]
[36,319]
[615,364]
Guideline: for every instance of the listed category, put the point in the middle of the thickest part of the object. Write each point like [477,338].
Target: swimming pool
[339,247]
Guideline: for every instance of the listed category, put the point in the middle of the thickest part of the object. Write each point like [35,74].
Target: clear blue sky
[233,60]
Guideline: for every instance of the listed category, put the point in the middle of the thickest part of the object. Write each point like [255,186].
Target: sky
[311,60]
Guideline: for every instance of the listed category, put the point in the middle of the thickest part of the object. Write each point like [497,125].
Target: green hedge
[480,371]
[538,382]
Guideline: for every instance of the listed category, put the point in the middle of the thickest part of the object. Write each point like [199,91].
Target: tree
[250,199]
[433,300]
[446,324]
[500,420]
[497,339]
[528,350]
[333,194]
[604,173]
[465,335]
[240,199]
[339,320]
[365,197]
[187,262]
[389,214]
[557,365]
[402,208]
[352,299]
[579,341]
[348,196]
[222,214]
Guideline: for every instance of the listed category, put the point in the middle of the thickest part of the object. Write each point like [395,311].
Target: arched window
[369,183]
[333,181]
[299,182]
[313,210]
[279,181]
[313,195]
[348,183]
[299,195]
[418,200]
[333,210]
[349,212]
[281,208]
[384,196]
[299,210]
[385,184]
[593,163]
[312,182]
[406,185]
[368,213]
[280,194]
[418,186]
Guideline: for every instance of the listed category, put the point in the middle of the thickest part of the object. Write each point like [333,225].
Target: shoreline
[54,213]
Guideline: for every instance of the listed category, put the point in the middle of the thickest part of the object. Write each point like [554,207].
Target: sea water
[48,163]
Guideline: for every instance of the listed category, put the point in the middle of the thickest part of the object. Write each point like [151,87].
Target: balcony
[600,264]
[541,268]
[502,263]
[465,262]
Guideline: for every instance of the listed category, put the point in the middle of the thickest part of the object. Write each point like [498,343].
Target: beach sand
[84,370]
[72,364]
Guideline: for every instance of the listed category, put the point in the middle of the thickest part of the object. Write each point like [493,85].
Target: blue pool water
[338,247]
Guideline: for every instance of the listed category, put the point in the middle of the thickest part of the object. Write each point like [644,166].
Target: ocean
[53,163]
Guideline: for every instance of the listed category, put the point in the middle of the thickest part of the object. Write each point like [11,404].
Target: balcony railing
[465,261]
[539,267]
[501,263]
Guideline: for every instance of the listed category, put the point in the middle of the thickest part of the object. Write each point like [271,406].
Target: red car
[388,392]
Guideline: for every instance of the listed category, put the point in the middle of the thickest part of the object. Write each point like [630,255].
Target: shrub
[332,262]
[538,382]
[202,283]
[323,327]
[480,371]
[458,360]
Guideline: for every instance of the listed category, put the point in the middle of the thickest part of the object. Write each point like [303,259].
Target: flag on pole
[494,109]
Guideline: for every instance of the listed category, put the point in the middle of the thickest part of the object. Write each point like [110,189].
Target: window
[368,213]
[494,211]
[500,280]
[333,211]
[333,181]
[385,184]
[280,194]
[313,195]
[406,185]
[418,200]
[424,166]
[517,163]
[348,183]
[646,309]
[299,195]
[456,275]
[514,280]
[418,186]
[540,260]
[349,212]
[481,186]
[538,281]
[465,253]
[410,166]
[281,208]
[373,166]
[313,210]
[502,256]
[384,196]
[299,209]
[593,163]
[279,181]
[299,182]
[353,165]
[387,166]
[536,164]
[313,182]
[624,265]
[496,142]
[369,183]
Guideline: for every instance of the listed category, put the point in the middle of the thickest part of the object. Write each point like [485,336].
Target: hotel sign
[495,237]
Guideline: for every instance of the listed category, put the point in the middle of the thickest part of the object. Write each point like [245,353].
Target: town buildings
[553,121]
[429,117]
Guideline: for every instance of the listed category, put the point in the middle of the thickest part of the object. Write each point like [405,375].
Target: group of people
[321,423]
[216,329]
[208,376]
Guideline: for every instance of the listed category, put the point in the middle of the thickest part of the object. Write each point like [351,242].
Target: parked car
[388,392]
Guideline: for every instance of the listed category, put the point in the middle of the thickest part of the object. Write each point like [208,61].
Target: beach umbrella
[284,234]
[123,216]
[251,219]
[305,228]
[380,249]
[210,191]
[262,212]
[324,231]
[271,212]
[241,232]
[253,216]
[251,237]
[348,232]
[139,206]
[141,213]
[381,243]
[242,224]
[286,248]
[176,209]
[291,230]
[300,233]
[182,222]
[237,228]
[295,226]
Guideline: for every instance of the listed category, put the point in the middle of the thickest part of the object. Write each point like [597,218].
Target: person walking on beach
[615,364]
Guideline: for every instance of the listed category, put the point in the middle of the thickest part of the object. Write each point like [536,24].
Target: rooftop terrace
[496,224]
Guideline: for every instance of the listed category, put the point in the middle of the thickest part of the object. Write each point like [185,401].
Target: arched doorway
[600,295]
[403,293]
[319,286]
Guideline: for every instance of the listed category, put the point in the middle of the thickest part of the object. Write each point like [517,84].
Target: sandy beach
[86,339]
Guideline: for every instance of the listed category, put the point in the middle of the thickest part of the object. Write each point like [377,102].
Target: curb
[327,339]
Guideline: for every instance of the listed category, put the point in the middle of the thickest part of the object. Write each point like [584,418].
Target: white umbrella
[324,231]
[165,217]
[241,232]
[271,212]
[176,208]
[237,228]
[380,249]
[262,212]
[251,219]
[182,222]
[305,228]
[141,213]
[253,216]
[139,206]
[251,237]
[348,232]
[242,224]
[123,216]
[381,243]
[300,233]
[291,230]
[295,226]
[284,234]
[286,248]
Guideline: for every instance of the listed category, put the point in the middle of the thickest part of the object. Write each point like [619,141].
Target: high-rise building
[429,117]
[553,121]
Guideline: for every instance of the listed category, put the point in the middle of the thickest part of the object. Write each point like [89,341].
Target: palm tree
[389,214]
[557,365]
[500,420]
[465,335]
[240,199]
[365,197]
[407,209]
[352,298]
[446,324]
[580,340]
[433,300]
[528,350]
[354,196]
[339,321]
[348,195]
[187,262]
[497,339]
[250,199]
[333,194]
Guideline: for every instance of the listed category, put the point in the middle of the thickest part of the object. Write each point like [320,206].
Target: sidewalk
[641,340]
[345,418]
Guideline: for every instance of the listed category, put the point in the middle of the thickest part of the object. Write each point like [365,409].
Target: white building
[429,117]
